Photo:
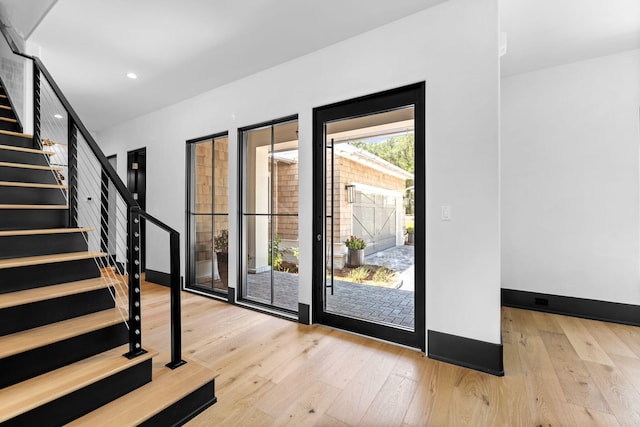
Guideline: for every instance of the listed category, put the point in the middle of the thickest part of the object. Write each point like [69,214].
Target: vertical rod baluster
[72,171]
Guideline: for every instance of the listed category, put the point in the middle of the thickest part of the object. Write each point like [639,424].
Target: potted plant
[355,251]
[410,234]
[221,247]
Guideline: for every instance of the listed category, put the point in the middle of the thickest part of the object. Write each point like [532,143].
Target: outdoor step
[169,387]
[39,391]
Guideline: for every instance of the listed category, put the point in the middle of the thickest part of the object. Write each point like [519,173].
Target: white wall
[454,48]
[570,179]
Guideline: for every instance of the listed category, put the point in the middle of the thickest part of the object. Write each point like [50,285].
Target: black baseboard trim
[466,352]
[158,277]
[231,296]
[304,314]
[626,314]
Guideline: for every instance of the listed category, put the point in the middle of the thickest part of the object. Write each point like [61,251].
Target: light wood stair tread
[49,259]
[22,135]
[167,387]
[7,119]
[28,166]
[34,232]
[5,107]
[27,395]
[37,337]
[14,299]
[34,207]
[26,150]
[31,185]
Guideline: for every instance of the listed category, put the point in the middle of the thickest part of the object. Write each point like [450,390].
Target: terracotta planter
[223,268]
[355,257]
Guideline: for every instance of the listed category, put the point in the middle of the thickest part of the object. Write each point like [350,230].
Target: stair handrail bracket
[134,214]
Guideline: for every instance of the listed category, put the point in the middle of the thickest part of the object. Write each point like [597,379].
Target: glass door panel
[367,281]
[270,215]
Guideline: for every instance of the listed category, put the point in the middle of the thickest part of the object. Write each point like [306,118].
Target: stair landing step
[7,233]
[167,387]
[49,259]
[35,392]
[26,150]
[28,296]
[39,337]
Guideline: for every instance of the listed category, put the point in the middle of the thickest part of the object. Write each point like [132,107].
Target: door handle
[319,237]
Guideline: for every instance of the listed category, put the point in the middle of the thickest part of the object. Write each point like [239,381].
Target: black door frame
[375,103]
[137,183]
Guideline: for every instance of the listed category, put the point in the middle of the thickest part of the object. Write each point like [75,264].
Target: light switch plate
[445,213]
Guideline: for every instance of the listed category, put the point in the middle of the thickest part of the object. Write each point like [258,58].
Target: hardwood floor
[559,371]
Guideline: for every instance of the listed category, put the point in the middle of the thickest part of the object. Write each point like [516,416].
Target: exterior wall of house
[461,69]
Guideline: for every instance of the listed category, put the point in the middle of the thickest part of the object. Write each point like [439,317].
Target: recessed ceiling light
[132,75]
[57,116]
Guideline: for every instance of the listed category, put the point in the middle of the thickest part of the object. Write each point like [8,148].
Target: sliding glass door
[269,214]
[208,214]
[369,215]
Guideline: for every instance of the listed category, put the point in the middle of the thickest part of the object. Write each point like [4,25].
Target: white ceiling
[182,48]
[546,33]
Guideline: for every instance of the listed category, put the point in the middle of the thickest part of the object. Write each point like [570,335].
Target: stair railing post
[133,267]
[176,321]
[36,107]
[72,171]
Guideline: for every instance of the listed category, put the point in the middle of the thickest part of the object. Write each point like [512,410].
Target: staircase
[62,336]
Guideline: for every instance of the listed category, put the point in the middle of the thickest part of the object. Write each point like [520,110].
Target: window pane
[202,250]
[258,171]
[258,253]
[221,175]
[285,263]
[221,250]
[202,174]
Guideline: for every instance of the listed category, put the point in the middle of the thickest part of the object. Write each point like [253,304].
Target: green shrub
[359,275]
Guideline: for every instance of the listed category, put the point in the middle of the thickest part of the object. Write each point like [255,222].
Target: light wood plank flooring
[560,371]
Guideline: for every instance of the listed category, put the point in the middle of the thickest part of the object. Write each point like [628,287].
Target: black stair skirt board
[13,156]
[36,276]
[40,313]
[81,402]
[31,196]
[186,408]
[12,126]
[29,364]
[16,141]
[41,244]
[39,176]
[29,219]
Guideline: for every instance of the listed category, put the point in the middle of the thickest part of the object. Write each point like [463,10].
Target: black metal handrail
[134,212]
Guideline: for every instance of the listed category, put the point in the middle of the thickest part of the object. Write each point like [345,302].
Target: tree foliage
[397,150]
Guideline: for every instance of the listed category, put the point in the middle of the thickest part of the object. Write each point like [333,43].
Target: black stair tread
[35,392]
[44,231]
[28,296]
[12,133]
[167,387]
[26,150]
[49,259]
[27,166]
[34,207]
[31,185]
[22,341]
